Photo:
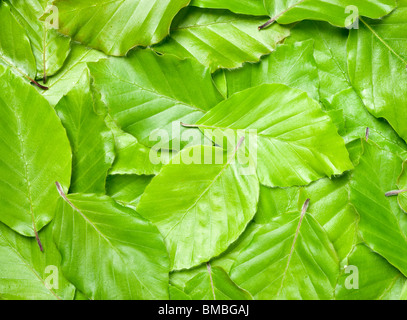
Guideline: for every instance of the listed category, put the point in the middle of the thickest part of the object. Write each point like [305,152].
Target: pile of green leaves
[80,194]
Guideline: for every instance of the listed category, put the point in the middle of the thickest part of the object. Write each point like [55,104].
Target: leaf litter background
[78,190]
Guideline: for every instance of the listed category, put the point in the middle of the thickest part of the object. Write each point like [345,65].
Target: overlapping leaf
[367,276]
[74,66]
[29,274]
[148,95]
[183,128]
[132,157]
[336,12]
[381,85]
[35,152]
[193,203]
[252,7]
[91,140]
[135,262]
[15,47]
[220,39]
[50,48]
[127,189]
[292,65]
[289,258]
[214,284]
[383,224]
[296,142]
[117,26]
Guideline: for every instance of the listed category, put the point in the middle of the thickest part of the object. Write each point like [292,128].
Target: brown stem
[367,134]
[279,15]
[38,240]
[38,85]
[263,26]
[305,207]
[189,125]
[394,192]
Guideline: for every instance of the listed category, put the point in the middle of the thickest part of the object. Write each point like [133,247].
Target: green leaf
[35,152]
[335,12]
[357,119]
[293,65]
[220,39]
[329,52]
[15,47]
[228,257]
[117,26]
[289,258]
[383,225]
[177,294]
[368,276]
[50,48]
[132,157]
[127,189]
[193,204]
[29,274]
[336,90]
[91,140]
[112,252]
[330,206]
[214,284]
[252,7]
[381,85]
[74,66]
[147,95]
[294,137]
[276,201]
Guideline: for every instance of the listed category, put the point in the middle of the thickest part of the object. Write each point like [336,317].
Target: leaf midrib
[108,242]
[383,42]
[156,93]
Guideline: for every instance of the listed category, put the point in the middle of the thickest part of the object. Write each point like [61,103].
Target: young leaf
[177,294]
[29,274]
[35,152]
[336,12]
[368,276]
[330,206]
[15,47]
[91,140]
[329,52]
[252,7]
[220,39]
[381,85]
[117,26]
[383,225]
[74,66]
[296,142]
[133,158]
[127,189]
[146,93]
[214,284]
[193,204]
[50,48]
[357,118]
[289,258]
[113,253]
[293,65]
